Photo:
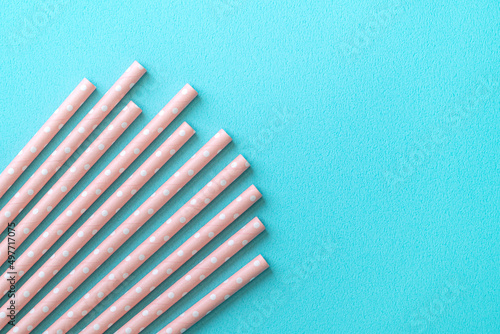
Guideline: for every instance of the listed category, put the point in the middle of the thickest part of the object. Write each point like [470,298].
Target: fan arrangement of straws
[19,232]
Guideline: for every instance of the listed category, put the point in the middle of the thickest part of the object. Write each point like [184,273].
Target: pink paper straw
[188,282]
[72,176]
[175,260]
[153,243]
[70,144]
[98,219]
[103,181]
[124,231]
[206,305]
[46,133]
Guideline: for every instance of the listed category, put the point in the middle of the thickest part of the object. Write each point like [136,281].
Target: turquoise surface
[372,128]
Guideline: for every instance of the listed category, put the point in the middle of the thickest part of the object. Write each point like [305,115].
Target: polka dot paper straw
[152,244]
[206,305]
[109,175]
[123,232]
[94,117]
[189,281]
[46,133]
[175,260]
[72,176]
[116,201]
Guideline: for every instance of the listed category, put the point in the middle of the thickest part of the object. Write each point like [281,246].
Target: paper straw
[188,282]
[175,260]
[116,201]
[220,294]
[124,231]
[72,176]
[70,144]
[46,133]
[154,242]
[109,175]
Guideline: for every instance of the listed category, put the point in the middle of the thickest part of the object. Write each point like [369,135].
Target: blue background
[372,129]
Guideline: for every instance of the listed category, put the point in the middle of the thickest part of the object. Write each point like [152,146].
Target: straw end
[259,261]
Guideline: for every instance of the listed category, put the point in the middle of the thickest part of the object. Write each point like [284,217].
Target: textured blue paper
[372,129]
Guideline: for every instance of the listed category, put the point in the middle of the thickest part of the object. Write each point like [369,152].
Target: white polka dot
[202,277]
[69,213]
[81,234]
[159,130]
[137,151]
[138,289]
[190,172]
[211,234]
[104,213]
[112,308]
[119,193]
[158,154]
[244,242]
[187,278]
[197,235]
[31,254]
[182,133]
[166,192]
[126,231]
[11,171]
[180,253]
[98,191]
[253,198]
[118,88]
[26,294]
[184,91]
[172,152]
[86,167]
[96,251]
[104,108]
[101,147]
[70,314]
[213,260]
[223,182]
[169,271]
[69,107]
[67,150]
[84,313]
[65,253]
[171,295]
[165,238]
[222,217]
[144,172]
[83,87]
[96,327]
[45,309]
[142,257]
[226,297]
[30,192]
[84,194]
[81,129]
[110,250]
[45,234]
[26,230]
[121,170]
[59,232]
[207,200]
[125,275]
[100,294]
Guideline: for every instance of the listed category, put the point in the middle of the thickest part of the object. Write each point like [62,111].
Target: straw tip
[241,159]
[186,126]
[257,223]
[131,104]
[189,90]
[85,84]
[136,66]
[254,189]
[223,134]
[259,261]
